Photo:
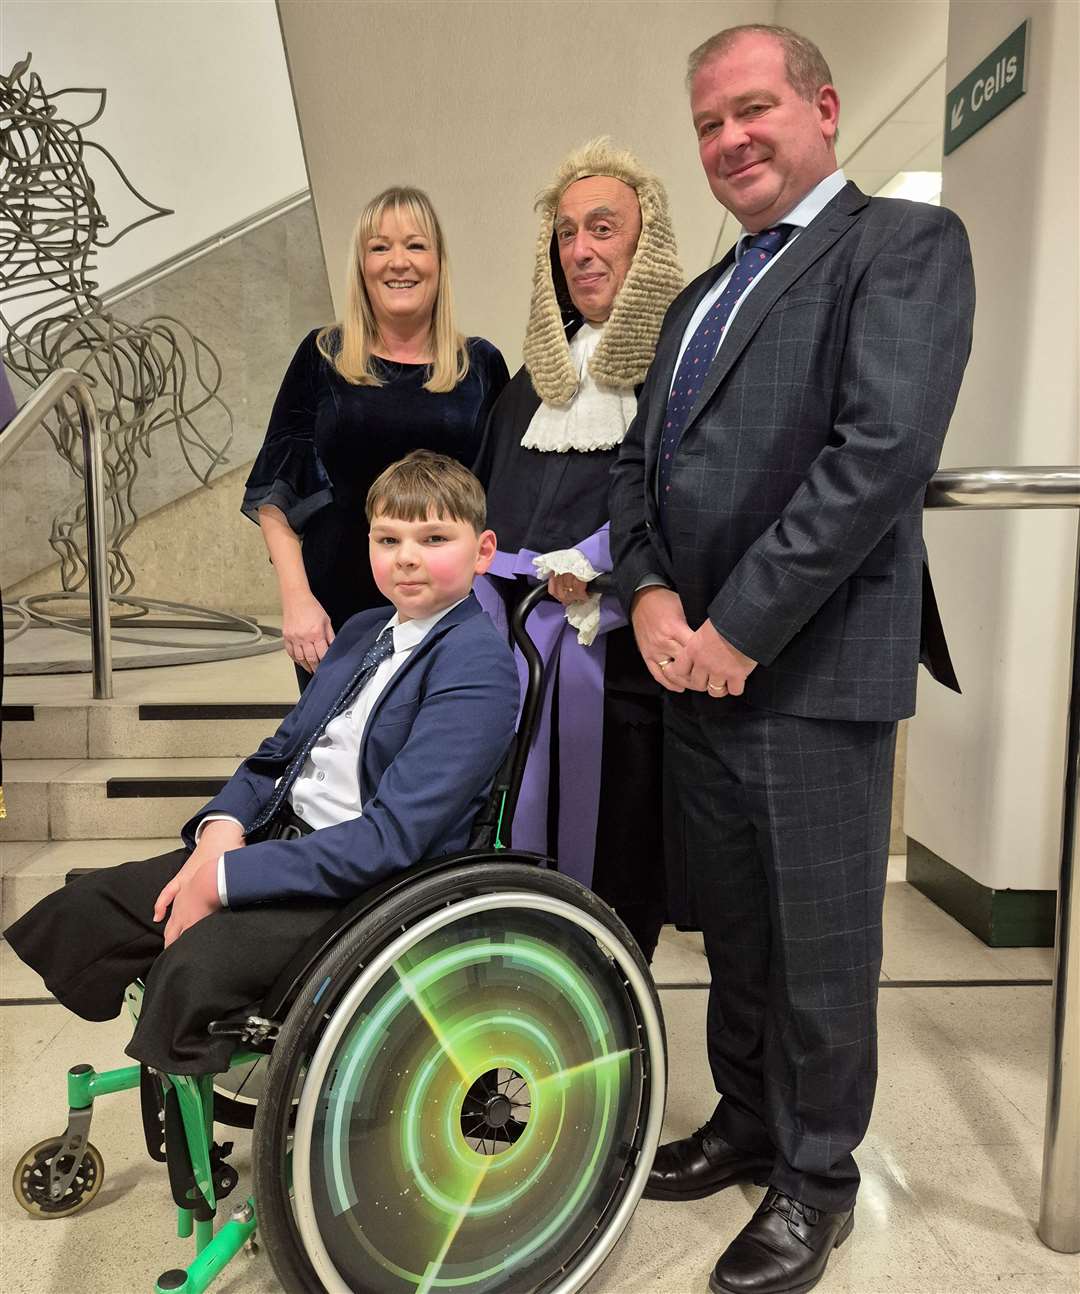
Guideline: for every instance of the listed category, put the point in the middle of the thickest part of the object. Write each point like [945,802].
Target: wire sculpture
[148,377]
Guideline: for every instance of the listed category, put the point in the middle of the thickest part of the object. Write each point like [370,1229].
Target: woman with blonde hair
[393,375]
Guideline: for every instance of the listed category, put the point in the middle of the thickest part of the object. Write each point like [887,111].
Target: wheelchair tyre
[31,1180]
[480,1073]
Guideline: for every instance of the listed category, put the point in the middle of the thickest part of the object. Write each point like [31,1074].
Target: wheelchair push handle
[530,708]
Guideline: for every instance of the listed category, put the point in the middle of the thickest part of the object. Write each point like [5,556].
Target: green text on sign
[1000,79]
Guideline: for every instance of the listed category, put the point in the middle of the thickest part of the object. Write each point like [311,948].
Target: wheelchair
[457,1085]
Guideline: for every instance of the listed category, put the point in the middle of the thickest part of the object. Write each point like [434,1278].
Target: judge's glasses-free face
[597,227]
[423,567]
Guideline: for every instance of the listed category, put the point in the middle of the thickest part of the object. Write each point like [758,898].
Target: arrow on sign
[957,115]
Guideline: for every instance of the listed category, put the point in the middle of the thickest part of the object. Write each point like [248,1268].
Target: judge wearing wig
[606,270]
[392,375]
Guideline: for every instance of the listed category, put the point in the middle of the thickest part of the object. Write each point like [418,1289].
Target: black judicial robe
[542,502]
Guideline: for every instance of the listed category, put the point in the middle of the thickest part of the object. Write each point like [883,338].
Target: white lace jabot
[596,418]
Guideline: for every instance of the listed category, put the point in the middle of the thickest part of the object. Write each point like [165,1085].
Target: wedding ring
[717,689]
[663,664]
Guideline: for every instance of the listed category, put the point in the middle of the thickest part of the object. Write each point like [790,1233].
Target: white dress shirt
[800,216]
[327,791]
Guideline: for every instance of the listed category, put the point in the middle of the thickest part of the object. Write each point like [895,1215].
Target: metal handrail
[67,382]
[1005,487]
[1059,1207]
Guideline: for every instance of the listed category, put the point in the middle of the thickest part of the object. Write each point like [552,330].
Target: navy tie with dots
[381,649]
[701,350]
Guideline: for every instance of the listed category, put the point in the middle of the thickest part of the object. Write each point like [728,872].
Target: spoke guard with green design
[517,1028]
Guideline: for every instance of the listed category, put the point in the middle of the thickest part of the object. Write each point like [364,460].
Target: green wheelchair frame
[61,1176]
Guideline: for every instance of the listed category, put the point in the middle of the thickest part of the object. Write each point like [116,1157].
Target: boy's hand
[197,898]
[215,839]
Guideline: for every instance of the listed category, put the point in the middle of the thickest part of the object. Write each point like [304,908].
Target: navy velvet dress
[328,440]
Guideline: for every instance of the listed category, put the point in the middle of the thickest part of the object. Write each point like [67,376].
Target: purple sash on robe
[580,671]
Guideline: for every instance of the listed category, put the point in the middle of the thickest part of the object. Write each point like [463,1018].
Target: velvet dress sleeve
[287,472]
[494,377]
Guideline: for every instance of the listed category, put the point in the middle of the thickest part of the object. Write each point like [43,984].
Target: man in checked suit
[766,529]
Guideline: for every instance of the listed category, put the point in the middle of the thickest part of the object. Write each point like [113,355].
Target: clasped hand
[192,894]
[681,658]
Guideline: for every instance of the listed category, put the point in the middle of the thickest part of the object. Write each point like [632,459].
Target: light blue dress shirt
[800,216]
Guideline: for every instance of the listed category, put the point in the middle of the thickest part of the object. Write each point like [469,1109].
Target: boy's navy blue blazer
[432,746]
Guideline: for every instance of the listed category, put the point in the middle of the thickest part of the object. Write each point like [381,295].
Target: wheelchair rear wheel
[480,1074]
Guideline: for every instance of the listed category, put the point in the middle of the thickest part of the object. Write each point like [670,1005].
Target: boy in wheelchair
[383,762]
[467,1065]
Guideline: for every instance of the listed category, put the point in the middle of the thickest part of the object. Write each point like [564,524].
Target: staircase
[95,783]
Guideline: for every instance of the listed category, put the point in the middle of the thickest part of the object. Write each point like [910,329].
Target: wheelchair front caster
[32,1182]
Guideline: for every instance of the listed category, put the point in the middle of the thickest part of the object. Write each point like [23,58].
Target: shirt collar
[808,209]
[412,632]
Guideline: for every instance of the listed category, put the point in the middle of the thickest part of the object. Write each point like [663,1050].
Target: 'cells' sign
[1000,79]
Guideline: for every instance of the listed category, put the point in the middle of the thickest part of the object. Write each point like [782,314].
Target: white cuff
[583,616]
[566,561]
[216,817]
[221,891]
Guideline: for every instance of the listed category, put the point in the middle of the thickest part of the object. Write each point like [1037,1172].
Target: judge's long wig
[654,279]
[349,344]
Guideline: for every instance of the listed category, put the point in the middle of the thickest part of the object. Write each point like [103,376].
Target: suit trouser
[784,826]
[89,940]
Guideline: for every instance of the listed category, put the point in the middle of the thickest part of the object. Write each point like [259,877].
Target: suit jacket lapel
[667,352]
[463,611]
[814,241]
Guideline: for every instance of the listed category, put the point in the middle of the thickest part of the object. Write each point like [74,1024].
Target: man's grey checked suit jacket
[794,518]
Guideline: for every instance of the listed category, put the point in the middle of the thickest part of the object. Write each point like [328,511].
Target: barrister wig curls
[655,277]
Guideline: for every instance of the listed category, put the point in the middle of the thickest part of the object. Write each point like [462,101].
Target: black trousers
[782,826]
[89,940]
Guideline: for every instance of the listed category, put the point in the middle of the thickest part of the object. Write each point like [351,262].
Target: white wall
[986,770]
[199,110]
[477,101]
[887,61]
[878,51]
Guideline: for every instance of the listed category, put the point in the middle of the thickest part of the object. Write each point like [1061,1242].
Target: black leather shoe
[783,1249]
[702,1164]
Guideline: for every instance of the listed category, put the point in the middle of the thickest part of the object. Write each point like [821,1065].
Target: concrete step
[106,799]
[144,730]
[29,870]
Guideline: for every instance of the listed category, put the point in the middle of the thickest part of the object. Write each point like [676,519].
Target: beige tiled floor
[951,1165]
